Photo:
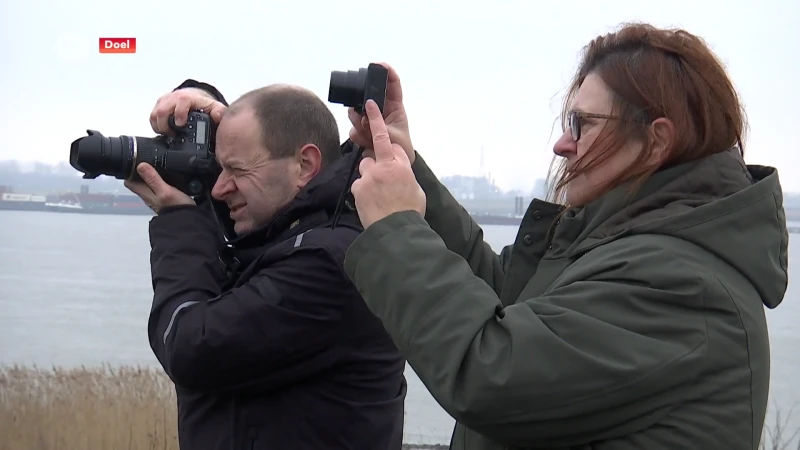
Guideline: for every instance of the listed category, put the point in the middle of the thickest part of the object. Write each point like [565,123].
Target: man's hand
[394,116]
[387,184]
[154,191]
[180,103]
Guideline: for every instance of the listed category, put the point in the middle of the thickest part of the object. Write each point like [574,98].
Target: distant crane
[482,167]
[482,173]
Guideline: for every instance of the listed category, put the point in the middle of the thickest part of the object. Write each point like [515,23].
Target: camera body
[185,160]
[354,87]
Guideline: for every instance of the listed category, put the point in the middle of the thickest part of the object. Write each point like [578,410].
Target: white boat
[62,206]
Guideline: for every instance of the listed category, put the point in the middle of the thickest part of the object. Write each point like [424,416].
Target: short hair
[291,117]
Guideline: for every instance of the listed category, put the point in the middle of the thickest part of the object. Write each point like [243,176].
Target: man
[290,357]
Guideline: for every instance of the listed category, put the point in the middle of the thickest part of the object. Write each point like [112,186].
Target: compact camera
[354,87]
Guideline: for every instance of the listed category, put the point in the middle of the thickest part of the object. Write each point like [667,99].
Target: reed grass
[134,408]
[121,408]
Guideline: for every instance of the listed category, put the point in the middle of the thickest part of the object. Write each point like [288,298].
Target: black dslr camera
[185,161]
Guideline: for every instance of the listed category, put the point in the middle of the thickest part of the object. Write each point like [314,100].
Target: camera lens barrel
[115,156]
[347,87]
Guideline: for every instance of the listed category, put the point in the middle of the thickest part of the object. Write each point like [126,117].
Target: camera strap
[337,214]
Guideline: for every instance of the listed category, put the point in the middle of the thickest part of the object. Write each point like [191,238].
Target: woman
[629,312]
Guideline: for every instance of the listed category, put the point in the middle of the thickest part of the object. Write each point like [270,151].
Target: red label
[117,45]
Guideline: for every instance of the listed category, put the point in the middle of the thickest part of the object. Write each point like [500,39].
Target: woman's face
[591,112]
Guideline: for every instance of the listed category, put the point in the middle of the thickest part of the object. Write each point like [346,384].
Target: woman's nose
[565,146]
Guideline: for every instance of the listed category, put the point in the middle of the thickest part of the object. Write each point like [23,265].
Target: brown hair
[291,117]
[654,73]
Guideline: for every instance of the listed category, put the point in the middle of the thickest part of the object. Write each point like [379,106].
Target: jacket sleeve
[274,329]
[552,371]
[457,228]
[190,83]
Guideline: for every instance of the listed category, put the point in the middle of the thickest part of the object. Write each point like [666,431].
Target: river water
[75,289]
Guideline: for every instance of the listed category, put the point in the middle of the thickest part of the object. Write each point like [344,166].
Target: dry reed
[133,408]
[86,408]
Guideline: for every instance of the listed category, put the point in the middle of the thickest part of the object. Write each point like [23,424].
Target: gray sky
[474,73]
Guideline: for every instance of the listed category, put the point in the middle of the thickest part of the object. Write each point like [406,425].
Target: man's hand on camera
[387,184]
[394,115]
[154,191]
[180,103]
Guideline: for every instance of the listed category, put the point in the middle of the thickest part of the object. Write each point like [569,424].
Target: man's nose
[565,145]
[222,188]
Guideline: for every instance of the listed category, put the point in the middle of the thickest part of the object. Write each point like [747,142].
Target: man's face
[253,185]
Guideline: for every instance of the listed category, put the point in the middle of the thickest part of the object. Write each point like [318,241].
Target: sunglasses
[574,121]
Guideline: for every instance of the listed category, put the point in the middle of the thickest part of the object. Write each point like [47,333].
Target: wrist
[411,153]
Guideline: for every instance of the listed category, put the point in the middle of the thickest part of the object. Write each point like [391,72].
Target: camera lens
[96,154]
[347,88]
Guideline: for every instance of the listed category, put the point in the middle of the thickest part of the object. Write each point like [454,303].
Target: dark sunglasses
[574,121]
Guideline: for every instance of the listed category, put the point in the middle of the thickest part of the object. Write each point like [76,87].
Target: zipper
[551,234]
[252,435]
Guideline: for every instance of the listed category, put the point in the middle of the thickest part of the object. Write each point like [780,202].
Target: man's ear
[309,159]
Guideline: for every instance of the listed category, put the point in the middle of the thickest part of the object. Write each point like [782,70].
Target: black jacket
[290,357]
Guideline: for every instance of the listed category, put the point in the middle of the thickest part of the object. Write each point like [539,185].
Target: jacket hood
[732,210]
[321,194]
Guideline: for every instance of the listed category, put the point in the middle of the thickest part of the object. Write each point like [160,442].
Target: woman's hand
[394,116]
[387,184]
